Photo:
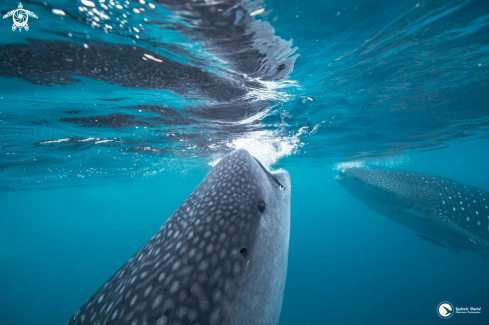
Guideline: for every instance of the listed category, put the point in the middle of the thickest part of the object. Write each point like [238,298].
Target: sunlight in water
[266,146]
[389,162]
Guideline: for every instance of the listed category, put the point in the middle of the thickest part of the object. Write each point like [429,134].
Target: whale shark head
[221,258]
[387,190]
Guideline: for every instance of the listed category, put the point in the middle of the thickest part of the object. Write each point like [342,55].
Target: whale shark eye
[244,252]
[261,206]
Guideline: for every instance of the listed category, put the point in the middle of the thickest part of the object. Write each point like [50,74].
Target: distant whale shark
[221,258]
[445,212]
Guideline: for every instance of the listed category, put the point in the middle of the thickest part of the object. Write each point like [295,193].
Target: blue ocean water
[109,118]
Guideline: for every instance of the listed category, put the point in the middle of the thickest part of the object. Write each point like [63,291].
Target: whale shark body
[221,258]
[445,212]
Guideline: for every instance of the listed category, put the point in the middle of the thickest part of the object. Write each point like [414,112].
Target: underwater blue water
[96,155]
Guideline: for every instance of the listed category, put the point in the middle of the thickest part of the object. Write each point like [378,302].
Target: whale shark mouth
[270,175]
[341,175]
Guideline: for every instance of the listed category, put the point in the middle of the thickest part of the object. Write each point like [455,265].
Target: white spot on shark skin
[157,301]
[176,265]
[468,219]
[203,265]
[110,306]
[100,298]
[133,300]
[161,277]
[443,202]
[147,291]
[477,212]
[161,321]
[114,315]
[174,287]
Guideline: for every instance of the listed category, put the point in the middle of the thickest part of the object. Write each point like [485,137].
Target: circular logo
[444,309]
[20,18]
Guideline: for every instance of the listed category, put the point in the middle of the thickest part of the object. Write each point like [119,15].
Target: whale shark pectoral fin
[483,255]
[437,243]
[485,250]
[468,249]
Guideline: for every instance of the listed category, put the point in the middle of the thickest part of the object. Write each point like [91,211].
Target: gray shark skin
[221,258]
[439,208]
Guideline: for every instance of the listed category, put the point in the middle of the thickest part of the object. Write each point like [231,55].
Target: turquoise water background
[347,264]
[399,85]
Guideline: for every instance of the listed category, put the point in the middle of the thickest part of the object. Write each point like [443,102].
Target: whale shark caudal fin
[221,258]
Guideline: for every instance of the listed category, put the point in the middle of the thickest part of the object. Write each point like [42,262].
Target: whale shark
[221,257]
[443,211]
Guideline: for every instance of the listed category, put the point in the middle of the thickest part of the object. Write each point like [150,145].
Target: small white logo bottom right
[445,309]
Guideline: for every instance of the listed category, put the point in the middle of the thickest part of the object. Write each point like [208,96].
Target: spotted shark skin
[221,258]
[439,208]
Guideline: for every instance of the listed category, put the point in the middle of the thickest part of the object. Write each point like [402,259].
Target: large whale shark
[221,258]
[445,212]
